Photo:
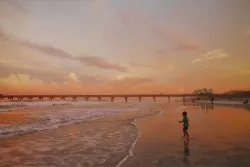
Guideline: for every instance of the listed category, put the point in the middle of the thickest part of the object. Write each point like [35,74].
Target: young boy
[185,122]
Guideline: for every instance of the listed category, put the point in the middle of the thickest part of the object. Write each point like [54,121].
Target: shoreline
[134,123]
[130,150]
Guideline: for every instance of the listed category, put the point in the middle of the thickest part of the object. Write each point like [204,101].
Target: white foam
[130,152]
[55,119]
[8,106]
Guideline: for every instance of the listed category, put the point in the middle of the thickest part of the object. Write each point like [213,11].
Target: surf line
[130,152]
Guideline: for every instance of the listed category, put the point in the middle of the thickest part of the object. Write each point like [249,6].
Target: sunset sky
[123,46]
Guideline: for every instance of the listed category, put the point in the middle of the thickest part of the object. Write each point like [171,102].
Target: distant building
[203,91]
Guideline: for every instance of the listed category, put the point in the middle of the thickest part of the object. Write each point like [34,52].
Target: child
[185,124]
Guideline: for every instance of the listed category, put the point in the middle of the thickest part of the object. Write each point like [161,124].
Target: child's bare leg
[187,134]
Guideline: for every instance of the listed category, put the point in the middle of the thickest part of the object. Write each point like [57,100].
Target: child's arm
[181,121]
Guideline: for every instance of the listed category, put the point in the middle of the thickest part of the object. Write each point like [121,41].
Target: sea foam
[57,118]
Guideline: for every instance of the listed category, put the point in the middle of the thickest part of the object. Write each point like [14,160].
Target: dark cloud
[101,63]
[49,50]
[94,61]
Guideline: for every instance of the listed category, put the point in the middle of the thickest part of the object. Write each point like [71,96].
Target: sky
[123,46]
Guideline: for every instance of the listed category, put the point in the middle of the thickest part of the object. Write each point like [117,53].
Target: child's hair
[184,113]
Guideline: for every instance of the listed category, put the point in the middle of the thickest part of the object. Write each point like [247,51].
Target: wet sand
[219,137]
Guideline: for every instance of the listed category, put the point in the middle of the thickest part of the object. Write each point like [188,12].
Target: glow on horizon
[120,46]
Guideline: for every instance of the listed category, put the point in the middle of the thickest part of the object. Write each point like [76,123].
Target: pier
[112,97]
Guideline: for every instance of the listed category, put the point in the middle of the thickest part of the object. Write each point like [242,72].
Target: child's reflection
[186,152]
[206,107]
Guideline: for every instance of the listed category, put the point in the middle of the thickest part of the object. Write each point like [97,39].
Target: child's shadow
[186,151]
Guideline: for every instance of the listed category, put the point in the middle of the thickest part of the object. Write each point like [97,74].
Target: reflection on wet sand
[186,152]
[206,107]
[201,106]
